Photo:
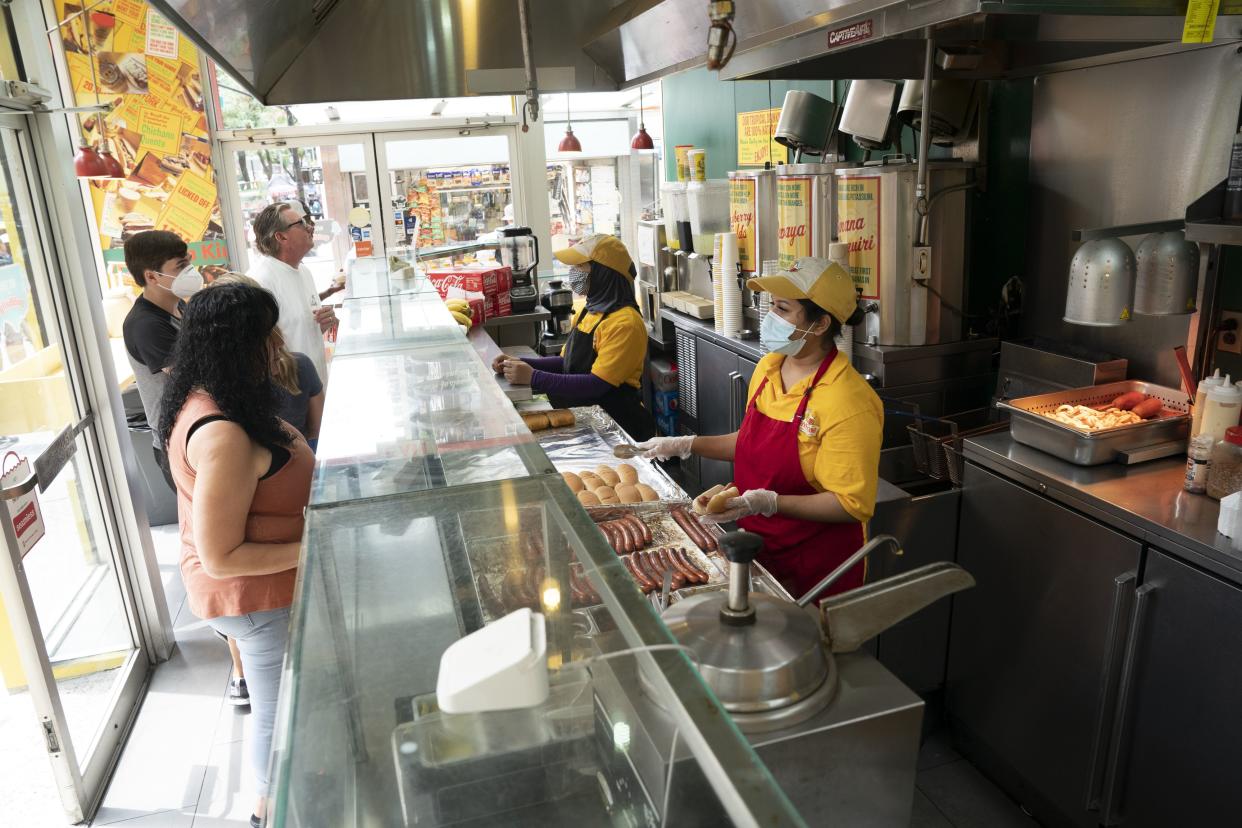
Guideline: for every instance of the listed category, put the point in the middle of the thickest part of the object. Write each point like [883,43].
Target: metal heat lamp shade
[1100,292]
[570,142]
[641,140]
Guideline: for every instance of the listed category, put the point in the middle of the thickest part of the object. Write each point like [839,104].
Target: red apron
[799,553]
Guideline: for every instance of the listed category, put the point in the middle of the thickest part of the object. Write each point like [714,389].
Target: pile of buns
[607,486]
[556,418]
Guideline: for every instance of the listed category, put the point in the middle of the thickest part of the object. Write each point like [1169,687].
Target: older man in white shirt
[284,235]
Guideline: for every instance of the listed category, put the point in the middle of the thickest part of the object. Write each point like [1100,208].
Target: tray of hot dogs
[1092,425]
[651,538]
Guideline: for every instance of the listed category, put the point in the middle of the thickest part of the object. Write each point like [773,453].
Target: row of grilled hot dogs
[629,534]
[649,565]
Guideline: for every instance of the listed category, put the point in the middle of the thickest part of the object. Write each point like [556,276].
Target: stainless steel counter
[1145,501]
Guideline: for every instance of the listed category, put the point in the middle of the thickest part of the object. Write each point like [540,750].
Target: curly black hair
[222,349]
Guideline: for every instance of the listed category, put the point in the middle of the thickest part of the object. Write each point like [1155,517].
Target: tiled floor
[184,764]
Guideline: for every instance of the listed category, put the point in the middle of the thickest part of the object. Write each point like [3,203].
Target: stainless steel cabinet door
[716,389]
[1030,642]
[1182,747]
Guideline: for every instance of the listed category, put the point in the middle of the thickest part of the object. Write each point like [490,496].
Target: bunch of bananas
[461,311]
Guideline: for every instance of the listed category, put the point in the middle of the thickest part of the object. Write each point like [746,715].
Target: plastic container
[673,203]
[709,210]
[1225,468]
[1196,419]
[1198,464]
[1222,409]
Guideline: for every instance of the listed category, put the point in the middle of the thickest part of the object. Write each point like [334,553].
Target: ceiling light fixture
[570,142]
[641,140]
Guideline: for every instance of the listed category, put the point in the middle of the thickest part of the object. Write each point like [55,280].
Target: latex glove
[754,502]
[518,372]
[664,448]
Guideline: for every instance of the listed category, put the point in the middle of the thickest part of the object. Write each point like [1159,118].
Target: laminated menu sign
[794,216]
[858,225]
[189,207]
[161,131]
[742,220]
[23,510]
[161,36]
[755,146]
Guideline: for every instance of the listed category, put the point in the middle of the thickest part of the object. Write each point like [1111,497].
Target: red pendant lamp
[641,140]
[113,166]
[89,164]
[570,142]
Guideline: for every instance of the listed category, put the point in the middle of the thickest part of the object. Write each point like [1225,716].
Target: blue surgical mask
[776,334]
[578,279]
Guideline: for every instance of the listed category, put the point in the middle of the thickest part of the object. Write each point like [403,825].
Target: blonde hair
[284,366]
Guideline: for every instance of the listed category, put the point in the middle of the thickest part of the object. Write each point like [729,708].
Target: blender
[559,300]
[519,251]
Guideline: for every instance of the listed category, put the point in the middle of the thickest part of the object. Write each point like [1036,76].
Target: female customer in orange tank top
[243,478]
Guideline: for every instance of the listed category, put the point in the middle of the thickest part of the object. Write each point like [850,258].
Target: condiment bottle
[1225,469]
[1197,464]
[1196,420]
[1222,409]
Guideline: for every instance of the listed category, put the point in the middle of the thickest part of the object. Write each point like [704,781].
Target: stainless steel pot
[1168,275]
[1100,292]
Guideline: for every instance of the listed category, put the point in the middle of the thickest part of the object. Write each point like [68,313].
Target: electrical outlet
[1229,333]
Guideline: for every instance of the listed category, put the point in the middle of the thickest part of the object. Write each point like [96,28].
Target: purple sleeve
[578,386]
[554,364]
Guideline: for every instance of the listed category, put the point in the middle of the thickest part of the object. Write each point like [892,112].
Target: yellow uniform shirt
[839,441]
[620,345]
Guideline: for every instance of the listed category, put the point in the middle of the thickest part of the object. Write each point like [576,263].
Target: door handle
[1119,753]
[1118,627]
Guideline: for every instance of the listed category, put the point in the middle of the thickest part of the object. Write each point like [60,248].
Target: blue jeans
[261,639]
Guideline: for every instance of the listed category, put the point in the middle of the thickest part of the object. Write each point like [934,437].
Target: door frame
[81,772]
[230,194]
[516,173]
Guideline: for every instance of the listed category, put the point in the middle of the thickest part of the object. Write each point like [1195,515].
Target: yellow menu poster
[189,207]
[793,220]
[755,146]
[858,225]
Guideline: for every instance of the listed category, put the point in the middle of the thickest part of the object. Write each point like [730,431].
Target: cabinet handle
[1119,754]
[1118,627]
[734,376]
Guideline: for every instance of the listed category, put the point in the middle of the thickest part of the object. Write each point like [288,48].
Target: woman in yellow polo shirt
[806,459]
[602,361]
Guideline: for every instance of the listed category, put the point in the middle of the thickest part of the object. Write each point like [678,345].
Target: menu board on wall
[755,145]
[156,127]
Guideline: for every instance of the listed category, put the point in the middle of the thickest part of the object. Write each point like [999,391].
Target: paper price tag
[1200,21]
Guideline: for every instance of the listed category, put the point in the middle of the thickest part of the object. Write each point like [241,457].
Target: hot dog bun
[588,499]
[628,493]
[627,473]
[719,502]
[573,481]
[646,492]
[700,502]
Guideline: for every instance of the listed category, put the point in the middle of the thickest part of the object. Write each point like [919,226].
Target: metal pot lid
[777,661]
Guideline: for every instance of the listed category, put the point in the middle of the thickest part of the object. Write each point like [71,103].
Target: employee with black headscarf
[602,361]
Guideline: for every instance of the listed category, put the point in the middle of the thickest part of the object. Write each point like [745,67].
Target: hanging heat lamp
[570,142]
[641,140]
[89,164]
[115,170]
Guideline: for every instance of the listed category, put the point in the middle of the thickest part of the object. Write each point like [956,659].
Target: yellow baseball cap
[825,283]
[600,247]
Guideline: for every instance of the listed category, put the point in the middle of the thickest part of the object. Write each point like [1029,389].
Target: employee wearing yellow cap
[806,459]
[603,358]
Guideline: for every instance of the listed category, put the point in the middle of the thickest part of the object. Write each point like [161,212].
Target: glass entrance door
[333,176]
[444,187]
[70,652]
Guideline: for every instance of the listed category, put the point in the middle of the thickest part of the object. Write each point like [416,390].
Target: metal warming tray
[1029,426]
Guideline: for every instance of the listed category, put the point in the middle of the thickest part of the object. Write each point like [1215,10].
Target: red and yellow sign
[156,127]
[755,145]
[742,220]
[795,214]
[858,225]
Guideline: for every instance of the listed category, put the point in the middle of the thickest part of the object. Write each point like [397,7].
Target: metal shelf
[1204,222]
[1128,230]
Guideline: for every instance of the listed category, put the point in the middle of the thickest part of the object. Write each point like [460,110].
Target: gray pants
[261,639]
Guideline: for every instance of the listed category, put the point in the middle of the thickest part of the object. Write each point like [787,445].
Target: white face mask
[186,283]
[777,335]
[578,279]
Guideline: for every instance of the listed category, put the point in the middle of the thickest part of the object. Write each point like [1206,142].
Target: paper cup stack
[730,307]
[717,284]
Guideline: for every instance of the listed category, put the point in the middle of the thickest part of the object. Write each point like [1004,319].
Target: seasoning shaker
[1198,457]
[1225,467]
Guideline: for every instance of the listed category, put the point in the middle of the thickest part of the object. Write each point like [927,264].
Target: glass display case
[420,418]
[393,323]
[628,736]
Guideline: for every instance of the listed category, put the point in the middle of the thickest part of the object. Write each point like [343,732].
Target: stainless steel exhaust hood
[314,51]
[882,39]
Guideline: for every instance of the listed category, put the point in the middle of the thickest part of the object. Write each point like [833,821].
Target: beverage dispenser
[913,295]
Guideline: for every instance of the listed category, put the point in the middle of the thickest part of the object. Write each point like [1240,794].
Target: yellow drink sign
[793,220]
[858,225]
[742,220]
[754,138]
